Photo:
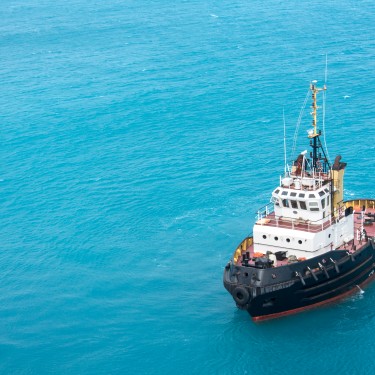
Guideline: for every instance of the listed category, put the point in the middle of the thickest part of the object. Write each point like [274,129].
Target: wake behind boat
[308,247]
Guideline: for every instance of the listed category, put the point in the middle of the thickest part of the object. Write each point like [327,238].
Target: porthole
[276,238]
[288,240]
[264,236]
[246,274]
[300,242]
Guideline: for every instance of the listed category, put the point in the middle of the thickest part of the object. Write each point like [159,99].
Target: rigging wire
[324,114]
[298,125]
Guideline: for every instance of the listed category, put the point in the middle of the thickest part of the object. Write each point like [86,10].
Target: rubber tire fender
[240,295]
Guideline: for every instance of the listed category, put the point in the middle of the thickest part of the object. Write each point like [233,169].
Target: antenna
[284,144]
[326,70]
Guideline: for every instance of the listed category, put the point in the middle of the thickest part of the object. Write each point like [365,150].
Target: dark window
[302,204]
[328,200]
[300,242]
[276,191]
[284,193]
[321,193]
[301,195]
[294,204]
[264,236]
[276,238]
[288,240]
[313,206]
[293,194]
[285,203]
[323,203]
[311,196]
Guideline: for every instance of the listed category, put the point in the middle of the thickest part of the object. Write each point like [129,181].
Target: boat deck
[369,220]
[247,246]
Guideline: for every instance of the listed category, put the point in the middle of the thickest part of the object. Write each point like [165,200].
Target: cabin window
[294,204]
[323,203]
[328,200]
[293,194]
[285,203]
[326,190]
[311,196]
[277,191]
[314,206]
[284,193]
[302,205]
[301,195]
[321,193]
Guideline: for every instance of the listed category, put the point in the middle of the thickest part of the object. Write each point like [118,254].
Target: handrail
[367,202]
[341,214]
[264,211]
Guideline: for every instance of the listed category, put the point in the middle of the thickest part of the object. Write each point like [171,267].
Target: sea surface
[137,141]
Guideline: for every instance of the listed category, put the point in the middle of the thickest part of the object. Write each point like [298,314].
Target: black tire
[240,295]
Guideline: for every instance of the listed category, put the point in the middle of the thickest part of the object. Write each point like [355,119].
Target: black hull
[274,292]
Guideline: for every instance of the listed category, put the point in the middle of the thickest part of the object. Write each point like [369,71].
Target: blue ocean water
[138,138]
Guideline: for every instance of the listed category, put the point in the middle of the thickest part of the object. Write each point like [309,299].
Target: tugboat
[309,247]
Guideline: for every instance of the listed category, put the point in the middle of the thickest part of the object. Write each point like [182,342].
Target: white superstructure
[300,221]
[306,216]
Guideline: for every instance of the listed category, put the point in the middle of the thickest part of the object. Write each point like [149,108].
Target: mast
[314,133]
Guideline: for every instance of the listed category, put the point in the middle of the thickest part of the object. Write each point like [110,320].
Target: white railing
[263,212]
[292,222]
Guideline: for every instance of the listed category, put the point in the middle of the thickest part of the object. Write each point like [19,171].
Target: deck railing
[271,219]
[264,211]
[359,203]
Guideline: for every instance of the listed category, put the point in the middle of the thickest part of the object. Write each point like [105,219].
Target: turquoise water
[138,138]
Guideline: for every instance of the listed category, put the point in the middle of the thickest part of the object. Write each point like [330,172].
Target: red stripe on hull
[309,307]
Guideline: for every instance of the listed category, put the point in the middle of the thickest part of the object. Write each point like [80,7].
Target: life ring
[240,295]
